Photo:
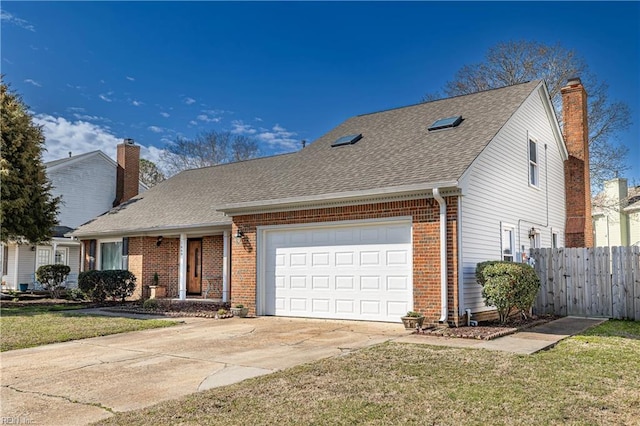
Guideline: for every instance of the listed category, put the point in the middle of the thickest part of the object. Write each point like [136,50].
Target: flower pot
[411,323]
[23,286]
[240,312]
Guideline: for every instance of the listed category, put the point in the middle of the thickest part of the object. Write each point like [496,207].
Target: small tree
[508,285]
[51,277]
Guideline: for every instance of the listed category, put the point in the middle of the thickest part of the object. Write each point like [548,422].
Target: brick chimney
[128,174]
[579,227]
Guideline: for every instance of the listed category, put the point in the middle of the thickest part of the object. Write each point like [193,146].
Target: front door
[194,266]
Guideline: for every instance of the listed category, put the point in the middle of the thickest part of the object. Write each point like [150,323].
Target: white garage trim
[379,291]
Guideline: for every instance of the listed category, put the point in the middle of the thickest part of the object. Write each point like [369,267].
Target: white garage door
[361,272]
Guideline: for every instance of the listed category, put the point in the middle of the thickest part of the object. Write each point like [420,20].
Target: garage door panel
[357,272]
[320,282]
[395,283]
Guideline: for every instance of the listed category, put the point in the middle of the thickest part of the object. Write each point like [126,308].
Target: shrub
[51,277]
[76,294]
[150,304]
[116,284]
[508,285]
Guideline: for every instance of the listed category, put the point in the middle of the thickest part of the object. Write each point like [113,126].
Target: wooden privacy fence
[592,282]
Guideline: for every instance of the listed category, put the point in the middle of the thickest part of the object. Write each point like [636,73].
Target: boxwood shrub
[508,285]
[100,285]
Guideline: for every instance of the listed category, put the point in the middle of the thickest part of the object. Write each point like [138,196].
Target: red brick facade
[146,258]
[579,226]
[127,175]
[426,248]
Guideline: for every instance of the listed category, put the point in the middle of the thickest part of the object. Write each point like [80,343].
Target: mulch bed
[487,330]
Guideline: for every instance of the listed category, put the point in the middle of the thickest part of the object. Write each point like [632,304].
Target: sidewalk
[527,342]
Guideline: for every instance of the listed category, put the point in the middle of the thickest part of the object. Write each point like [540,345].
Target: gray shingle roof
[396,149]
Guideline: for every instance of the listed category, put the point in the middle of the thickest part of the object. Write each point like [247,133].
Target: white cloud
[193,123]
[240,128]
[105,97]
[33,82]
[63,136]
[207,119]
[136,103]
[155,129]
[87,117]
[279,137]
[75,109]
[130,78]
[189,101]
[165,114]
[10,18]
[258,119]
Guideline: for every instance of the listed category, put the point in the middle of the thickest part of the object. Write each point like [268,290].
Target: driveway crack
[66,398]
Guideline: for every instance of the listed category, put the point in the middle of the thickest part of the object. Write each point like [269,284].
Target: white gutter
[443,255]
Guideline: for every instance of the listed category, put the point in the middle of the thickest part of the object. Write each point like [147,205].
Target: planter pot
[411,323]
[157,291]
[23,287]
[240,312]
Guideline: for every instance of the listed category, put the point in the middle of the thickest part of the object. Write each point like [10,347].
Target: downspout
[443,256]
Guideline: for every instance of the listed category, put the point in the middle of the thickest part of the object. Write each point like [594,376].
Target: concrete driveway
[78,382]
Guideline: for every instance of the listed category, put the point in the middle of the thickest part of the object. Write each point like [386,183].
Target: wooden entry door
[194,266]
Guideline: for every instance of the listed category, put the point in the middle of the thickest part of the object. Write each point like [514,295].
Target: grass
[25,327]
[585,380]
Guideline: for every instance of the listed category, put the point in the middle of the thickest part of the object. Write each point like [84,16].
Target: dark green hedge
[100,285]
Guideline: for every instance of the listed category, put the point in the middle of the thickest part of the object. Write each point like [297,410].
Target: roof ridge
[446,99]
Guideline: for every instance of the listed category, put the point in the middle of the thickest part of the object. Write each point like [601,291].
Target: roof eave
[340,198]
[151,231]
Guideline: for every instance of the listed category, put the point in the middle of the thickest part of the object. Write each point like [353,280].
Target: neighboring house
[616,214]
[87,184]
[386,213]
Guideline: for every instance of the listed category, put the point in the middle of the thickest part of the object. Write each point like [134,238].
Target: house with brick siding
[386,213]
[88,186]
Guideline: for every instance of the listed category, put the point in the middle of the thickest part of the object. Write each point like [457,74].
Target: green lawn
[26,327]
[591,379]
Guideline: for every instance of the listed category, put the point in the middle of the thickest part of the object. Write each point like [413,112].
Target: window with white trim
[61,256]
[110,255]
[508,242]
[533,163]
[43,256]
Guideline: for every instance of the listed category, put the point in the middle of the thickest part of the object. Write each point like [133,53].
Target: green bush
[151,304]
[51,277]
[508,285]
[76,294]
[115,284]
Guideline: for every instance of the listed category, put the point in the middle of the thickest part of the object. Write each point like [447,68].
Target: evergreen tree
[27,208]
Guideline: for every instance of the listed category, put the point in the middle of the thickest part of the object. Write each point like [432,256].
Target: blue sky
[96,72]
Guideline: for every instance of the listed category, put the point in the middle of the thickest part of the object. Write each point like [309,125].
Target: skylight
[444,123]
[347,140]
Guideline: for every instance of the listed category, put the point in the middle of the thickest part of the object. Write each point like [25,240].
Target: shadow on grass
[615,328]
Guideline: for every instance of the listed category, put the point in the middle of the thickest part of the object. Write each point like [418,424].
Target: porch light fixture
[33,248]
[159,241]
[532,233]
[239,236]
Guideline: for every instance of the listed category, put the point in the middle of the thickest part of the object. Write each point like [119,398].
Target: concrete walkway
[528,342]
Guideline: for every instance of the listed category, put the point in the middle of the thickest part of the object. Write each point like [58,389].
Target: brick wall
[426,248]
[579,226]
[128,172]
[146,258]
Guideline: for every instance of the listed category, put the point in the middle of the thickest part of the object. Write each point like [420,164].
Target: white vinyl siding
[26,262]
[87,188]
[496,190]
